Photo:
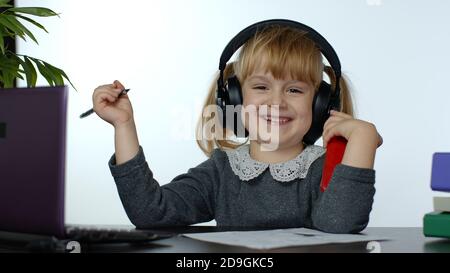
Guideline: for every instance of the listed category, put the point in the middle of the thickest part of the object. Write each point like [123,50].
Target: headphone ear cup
[234,91]
[221,102]
[321,109]
[232,96]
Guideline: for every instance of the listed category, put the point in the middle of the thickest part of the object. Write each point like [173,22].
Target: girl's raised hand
[109,107]
[344,125]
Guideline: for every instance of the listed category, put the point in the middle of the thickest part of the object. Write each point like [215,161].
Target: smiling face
[279,67]
[292,99]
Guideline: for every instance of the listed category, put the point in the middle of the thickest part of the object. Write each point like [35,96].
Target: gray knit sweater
[213,191]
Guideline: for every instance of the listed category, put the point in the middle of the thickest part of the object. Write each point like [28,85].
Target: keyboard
[98,234]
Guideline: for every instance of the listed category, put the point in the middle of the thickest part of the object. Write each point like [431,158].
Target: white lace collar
[247,168]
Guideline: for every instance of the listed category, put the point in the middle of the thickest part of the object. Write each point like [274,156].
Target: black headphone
[229,92]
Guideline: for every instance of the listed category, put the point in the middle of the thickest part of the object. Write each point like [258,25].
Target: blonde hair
[282,51]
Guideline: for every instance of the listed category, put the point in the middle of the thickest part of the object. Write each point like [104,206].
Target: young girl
[243,185]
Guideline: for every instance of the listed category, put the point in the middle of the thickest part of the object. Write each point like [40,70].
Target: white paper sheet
[279,238]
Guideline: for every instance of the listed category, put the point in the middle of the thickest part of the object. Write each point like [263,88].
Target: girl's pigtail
[346,98]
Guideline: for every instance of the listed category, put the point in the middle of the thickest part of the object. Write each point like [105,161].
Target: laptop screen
[32,159]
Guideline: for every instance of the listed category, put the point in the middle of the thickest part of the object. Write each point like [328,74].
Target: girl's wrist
[126,142]
[367,133]
[125,125]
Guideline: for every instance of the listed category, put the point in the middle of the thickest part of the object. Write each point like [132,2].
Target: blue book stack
[437,223]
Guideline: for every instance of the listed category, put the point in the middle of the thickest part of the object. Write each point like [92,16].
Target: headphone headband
[242,37]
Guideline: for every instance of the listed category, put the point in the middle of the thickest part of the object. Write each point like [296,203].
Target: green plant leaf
[18,24]
[37,11]
[17,66]
[7,32]
[8,65]
[14,28]
[67,78]
[10,70]
[30,71]
[2,45]
[8,80]
[4,4]
[19,75]
[55,74]
[63,74]
[27,71]
[31,21]
[44,72]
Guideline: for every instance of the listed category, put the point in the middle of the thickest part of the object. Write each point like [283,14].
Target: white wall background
[394,51]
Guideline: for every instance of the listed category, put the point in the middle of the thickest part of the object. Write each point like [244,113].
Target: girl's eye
[260,87]
[295,90]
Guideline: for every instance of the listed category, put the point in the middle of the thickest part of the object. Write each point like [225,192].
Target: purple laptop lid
[32,160]
[440,172]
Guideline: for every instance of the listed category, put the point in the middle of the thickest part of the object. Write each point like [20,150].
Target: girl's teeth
[278,120]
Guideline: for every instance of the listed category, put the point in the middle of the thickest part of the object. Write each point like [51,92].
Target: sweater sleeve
[346,204]
[187,200]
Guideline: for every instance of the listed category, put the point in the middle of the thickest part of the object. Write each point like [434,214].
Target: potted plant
[15,66]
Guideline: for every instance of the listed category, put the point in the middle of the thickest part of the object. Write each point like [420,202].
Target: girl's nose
[278,98]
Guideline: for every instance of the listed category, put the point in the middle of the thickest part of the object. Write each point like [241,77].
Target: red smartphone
[333,157]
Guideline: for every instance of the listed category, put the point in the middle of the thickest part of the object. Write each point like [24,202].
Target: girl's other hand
[109,107]
[344,125]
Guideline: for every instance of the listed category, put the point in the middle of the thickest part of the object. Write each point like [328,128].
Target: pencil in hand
[90,112]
